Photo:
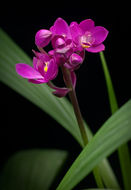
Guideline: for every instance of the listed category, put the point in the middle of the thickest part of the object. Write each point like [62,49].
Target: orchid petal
[51,53]
[26,71]
[60,43]
[65,49]
[35,63]
[55,39]
[43,56]
[59,92]
[52,70]
[68,66]
[61,28]
[99,34]
[75,32]
[39,65]
[43,37]
[87,25]
[96,49]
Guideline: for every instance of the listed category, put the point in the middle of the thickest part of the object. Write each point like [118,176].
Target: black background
[25,126]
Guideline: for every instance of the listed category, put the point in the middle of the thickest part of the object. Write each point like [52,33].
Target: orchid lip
[87,40]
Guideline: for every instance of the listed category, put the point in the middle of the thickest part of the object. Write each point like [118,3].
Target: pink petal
[43,56]
[100,34]
[43,37]
[86,25]
[65,49]
[61,28]
[75,32]
[52,70]
[51,53]
[55,39]
[52,29]
[60,43]
[59,92]
[96,49]
[26,71]
[35,63]
[39,65]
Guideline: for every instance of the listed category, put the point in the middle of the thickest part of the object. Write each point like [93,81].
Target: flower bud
[42,38]
[75,59]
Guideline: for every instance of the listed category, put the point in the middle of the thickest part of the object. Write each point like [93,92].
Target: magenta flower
[61,37]
[61,28]
[44,69]
[88,36]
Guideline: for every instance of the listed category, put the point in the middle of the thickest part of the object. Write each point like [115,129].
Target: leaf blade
[115,131]
[32,169]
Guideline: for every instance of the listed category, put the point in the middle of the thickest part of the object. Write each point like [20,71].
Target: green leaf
[115,131]
[32,169]
[110,88]
[123,152]
[98,189]
[60,109]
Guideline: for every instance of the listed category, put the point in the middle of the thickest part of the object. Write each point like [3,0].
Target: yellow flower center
[85,46]
[46,67]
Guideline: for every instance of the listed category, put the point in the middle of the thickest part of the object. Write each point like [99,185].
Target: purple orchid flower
[61,38]
[88,36]
[44,69]
[62,30]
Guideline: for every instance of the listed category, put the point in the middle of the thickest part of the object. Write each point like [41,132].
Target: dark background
[23,124]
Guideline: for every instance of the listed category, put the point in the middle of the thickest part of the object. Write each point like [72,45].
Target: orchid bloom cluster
[69,44]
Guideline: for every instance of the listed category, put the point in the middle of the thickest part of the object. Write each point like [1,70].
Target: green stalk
[74,101]
[123,152]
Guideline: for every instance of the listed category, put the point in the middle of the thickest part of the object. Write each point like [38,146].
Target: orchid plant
[69,46]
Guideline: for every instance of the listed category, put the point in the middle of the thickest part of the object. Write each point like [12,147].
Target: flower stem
[75,104]
[74,101]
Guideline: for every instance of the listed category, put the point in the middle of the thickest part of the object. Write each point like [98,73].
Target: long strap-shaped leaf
[40,95]
[115,131]
[33,169]
[123,151]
